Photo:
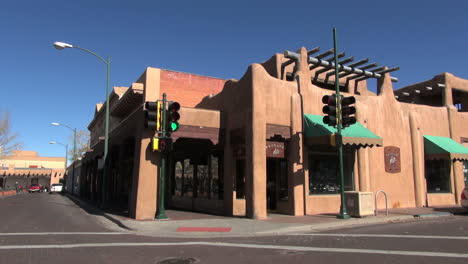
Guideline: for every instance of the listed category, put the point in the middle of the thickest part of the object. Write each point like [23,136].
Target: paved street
[43,228]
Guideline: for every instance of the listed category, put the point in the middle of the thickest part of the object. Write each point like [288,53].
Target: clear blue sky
[41,85]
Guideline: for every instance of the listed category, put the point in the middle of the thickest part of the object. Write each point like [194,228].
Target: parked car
[56,188]
[34,188]
[464,198]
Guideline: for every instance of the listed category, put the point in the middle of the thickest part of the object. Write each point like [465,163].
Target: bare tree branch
[8,140]
[82,144]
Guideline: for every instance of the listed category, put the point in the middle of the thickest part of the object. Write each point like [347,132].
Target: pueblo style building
[250,146]
[24,168]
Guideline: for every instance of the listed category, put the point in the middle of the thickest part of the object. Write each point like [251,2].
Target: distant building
[257,145]
[27,167]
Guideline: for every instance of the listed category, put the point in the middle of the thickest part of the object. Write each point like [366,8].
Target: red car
[34,188]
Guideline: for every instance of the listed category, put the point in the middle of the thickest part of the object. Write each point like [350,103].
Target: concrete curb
[11,195]
[164,231]
[338,225]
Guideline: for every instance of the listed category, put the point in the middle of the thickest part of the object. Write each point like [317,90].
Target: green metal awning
[444,148]
[317,132]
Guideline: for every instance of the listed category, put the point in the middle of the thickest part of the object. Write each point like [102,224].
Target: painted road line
[203,229]
[251,246]
[384,236]
[62,233]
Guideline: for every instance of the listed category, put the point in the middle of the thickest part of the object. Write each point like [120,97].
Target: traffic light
[336,140]
[347,111]
[173,117]
[153,115]
[161,144]
[155,144]
[165,144]
[330,110]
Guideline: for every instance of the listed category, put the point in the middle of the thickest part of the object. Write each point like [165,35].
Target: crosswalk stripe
[61,233]
[384,236]
[253,246]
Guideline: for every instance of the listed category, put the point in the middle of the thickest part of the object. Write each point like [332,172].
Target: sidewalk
[200,225]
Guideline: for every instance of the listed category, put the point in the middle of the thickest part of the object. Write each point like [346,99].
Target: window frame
[349,160]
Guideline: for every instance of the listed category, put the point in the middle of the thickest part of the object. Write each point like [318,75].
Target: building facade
[257,145]
[24,168]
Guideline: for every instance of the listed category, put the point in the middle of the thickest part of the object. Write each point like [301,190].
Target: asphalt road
[43,228]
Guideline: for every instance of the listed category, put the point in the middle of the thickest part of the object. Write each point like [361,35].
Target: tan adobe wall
[26,163]
[25,153]
[188,89]
[378,114]
[25,159]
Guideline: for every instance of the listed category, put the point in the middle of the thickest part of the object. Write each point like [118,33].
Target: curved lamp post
[74,152]
[61,46]
[66,153]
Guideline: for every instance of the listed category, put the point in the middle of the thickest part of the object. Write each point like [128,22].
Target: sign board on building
[274,149]
[392,159]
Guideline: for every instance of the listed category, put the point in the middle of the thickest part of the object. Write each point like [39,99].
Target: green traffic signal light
[174,126]
[173,116]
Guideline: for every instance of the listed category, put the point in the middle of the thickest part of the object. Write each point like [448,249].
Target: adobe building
[250,146]
[25,167]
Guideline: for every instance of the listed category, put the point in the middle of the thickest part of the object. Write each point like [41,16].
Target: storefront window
[437,176]
[187,179]
[178,179]
[240,179]
[203,181]
[324,177]
[215,183]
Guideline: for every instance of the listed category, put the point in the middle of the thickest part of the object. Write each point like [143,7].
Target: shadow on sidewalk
[95,210]
[453,210]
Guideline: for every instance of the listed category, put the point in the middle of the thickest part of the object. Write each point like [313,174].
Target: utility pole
[343,213]
[162,211]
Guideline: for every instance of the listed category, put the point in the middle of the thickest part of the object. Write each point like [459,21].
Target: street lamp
[61,46]
[66,153]
[74,152]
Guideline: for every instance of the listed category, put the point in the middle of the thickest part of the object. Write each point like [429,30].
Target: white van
[56,188]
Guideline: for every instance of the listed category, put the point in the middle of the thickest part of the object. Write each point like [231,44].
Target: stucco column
[146,163]
[363,169]
[296,151]
[145,179]
[228,175]
[295,157]
[447,93]
[459,179]
[418,161]
[255,148]
[457,172]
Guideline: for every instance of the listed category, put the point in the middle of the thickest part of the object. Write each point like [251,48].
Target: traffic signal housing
[330,109]
[173,117]
[348,111]
[161,144]
[153,115]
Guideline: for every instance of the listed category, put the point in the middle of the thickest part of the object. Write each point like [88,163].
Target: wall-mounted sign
[392,159]
[274,149]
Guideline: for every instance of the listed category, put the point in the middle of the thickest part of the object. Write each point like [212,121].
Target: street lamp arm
[97,56]
[62,45]
[65,125]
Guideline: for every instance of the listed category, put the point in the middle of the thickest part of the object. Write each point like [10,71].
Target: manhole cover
[177,261]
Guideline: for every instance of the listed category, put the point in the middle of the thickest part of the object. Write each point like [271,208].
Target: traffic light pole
[343,214]
[162,212]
